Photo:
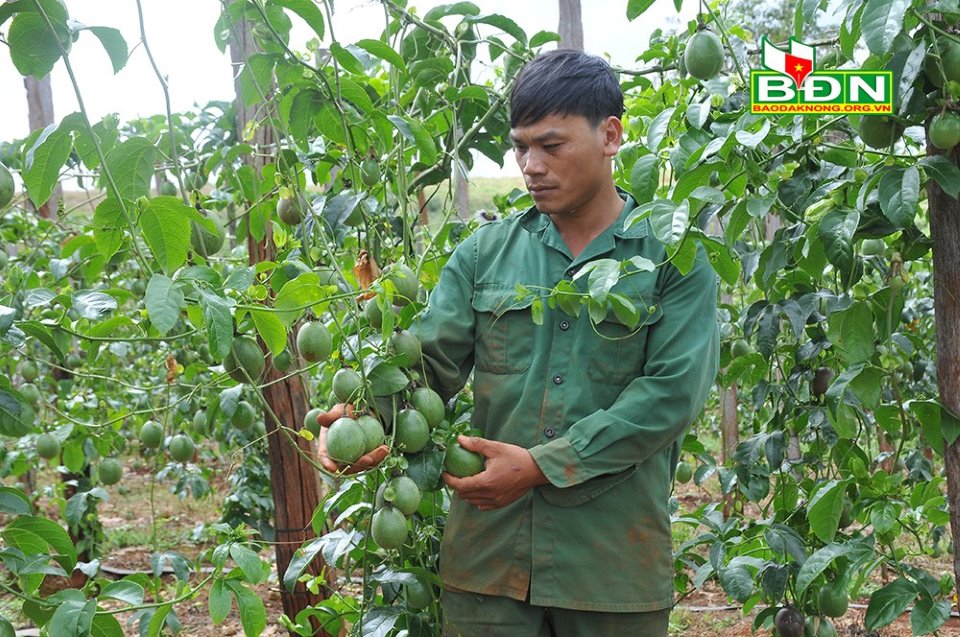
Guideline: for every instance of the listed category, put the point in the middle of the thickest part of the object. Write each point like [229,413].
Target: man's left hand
[509,473]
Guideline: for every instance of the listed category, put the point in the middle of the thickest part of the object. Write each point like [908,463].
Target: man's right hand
[364,463]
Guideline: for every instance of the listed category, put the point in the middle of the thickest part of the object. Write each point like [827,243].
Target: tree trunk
[40,114]
[945,230]
[294,482]
[571,25]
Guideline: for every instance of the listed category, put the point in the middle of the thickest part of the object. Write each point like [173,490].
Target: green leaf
[73,618]
[503,23]
[157,620]
[48,532]
[40,332]
[697,114]
[114,44]
[33,49]
[355,93]
[386,378]
[825,508]
[722,259]
[850,31]
[165,223]
[131,163]
[625,310]
[889,602]
[658,129]
[164,300]
[882,21]
[899,192]
[346,59]
[14,501]
[752,140]
[271,330]
[219,601]
[414,132]
[737,582]
[249,563]
[16,415]
[302,558]
[297,295]
[308,11]
[125,590]
[928,616]
[456,8]
[836,233]
[669,224]
[851,332]
[106,626]
[540,38]
[109,224]
[93,305]
[383,51]
[823,558]
[218,321]
[636,7]
[255,78]
[645,178]
[45,160]
[253,615]
[944,172]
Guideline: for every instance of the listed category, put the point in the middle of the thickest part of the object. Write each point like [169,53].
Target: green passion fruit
[345,440]
[244,416]
[406,346]
[461,462]
[373,434]
[703,56]
[389,528]
[945,130]
[404,282]
[110,471]
[879,131]
[401,492]
[314,341]
[684,472]
[7,187]
[411,431]
[310,420]
[288,209]
[181,448]
[204,241]
[949,60]
[428,403]
[151,434]
[347,385]
[244,359]
[48,446]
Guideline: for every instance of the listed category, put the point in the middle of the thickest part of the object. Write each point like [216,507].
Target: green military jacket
[601,408]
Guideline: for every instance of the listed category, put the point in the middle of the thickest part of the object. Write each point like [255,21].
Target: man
[566,531]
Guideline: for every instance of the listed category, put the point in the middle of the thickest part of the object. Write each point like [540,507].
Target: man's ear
[611,130]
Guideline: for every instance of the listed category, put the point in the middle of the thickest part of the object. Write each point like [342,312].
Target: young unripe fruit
[31,393]
[873,247]
[411,433]
[428,403]
[418,595]
[244,416]
[815,626]
[29,371]
[703,56]
[389,528]
[406,346]
[110,471]
[347,385]
[283,361]
[345,440]
[167,189]
[404,282]
[401,492]
[310,420]
[740,347]
[949,60]
[48,446]
[461,462]
[832,600]
[151,434]
[369,173]
[373,434]
[244,359]
[181,448]
[204,241]
[314,341]
[200,423]
[879,131]
[684,472]
[288,209]
[945,130]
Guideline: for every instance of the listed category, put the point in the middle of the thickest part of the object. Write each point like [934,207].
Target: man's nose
[533,164]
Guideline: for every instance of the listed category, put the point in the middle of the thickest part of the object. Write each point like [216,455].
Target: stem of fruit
[174,155]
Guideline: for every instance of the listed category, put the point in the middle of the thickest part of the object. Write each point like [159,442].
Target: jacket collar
[536,222]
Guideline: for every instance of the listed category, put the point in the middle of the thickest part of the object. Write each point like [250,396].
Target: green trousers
[474,615]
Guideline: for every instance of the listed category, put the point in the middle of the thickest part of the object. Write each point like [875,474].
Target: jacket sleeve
[654,409]
[446,328]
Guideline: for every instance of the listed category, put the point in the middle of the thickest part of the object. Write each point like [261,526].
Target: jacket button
[564,325]
[549,432]
[571,272]
[558,380]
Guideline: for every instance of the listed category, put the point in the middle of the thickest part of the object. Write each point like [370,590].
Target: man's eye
[520,149]
[551,146]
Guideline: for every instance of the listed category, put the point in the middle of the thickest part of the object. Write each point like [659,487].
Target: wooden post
[571,25]
[945,230]
[294,482]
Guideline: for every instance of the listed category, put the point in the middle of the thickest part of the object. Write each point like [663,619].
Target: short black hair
[565,82]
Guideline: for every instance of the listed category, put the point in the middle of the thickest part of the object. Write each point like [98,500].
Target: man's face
[565,160]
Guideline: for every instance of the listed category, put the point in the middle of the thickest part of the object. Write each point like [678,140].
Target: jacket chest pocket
[619,352]
[504,337]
